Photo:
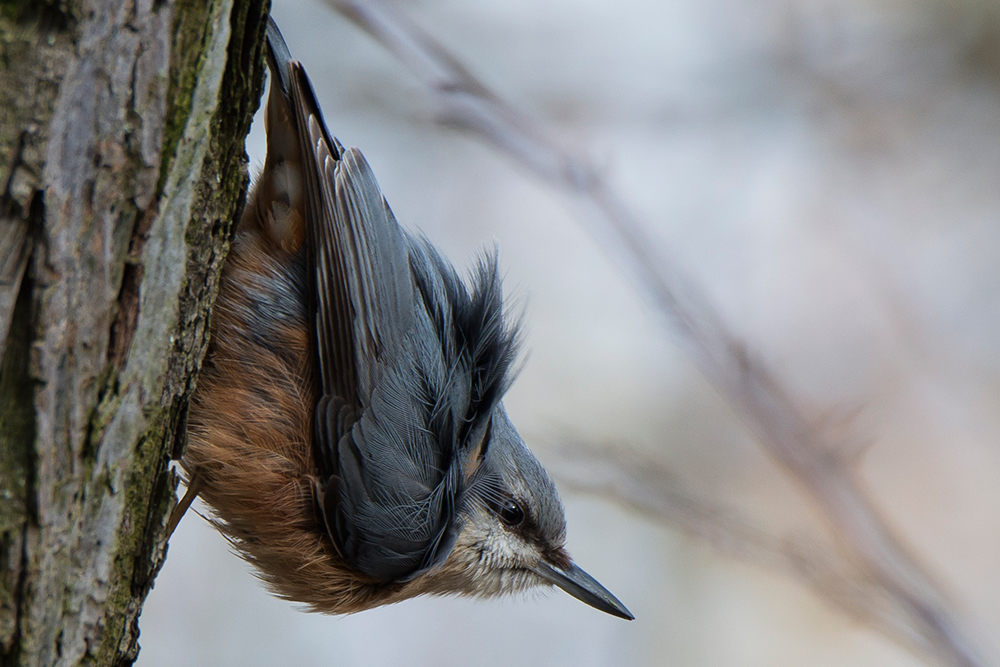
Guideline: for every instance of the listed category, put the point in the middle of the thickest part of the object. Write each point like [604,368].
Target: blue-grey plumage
[388,468]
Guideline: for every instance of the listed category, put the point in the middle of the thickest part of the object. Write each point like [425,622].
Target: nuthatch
[347,430]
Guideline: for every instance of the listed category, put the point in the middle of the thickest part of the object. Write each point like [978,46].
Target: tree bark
[121,153]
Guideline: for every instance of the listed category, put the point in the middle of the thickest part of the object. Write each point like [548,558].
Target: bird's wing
[297,119]
[363,288]
[391,507]
[388,487]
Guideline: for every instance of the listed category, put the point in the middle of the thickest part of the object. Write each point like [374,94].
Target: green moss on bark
[17,434]
[119,476]
[150,485]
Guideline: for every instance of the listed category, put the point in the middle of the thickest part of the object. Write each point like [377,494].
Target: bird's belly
[250,432]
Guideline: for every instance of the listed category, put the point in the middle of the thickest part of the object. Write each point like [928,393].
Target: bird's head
[512,529]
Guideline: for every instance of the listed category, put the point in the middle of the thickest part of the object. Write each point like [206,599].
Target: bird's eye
[511,513]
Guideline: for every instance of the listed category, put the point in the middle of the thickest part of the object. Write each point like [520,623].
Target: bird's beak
[583,587]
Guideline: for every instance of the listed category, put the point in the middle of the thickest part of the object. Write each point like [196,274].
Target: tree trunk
[121,150]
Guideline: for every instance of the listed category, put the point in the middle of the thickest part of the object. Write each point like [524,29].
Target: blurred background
[827,172]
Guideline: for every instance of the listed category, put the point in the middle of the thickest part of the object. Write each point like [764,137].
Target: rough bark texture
[121,154]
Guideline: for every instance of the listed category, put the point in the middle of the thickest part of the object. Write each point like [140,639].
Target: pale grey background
[827,168]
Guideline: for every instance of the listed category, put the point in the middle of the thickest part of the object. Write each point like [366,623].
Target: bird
[347,431]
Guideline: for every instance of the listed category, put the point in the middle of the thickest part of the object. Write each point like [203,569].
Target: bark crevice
[131,118]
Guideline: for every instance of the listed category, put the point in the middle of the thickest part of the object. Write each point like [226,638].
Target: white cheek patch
[498,547]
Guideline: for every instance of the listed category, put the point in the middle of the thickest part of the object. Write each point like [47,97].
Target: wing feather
[397,343]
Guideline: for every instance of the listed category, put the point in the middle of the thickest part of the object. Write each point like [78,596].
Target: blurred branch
[647,486]
[902,597]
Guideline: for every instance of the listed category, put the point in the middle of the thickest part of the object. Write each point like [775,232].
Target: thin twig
[645,485]
[923,617]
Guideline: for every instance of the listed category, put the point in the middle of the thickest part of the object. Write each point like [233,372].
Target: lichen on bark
[122,181]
